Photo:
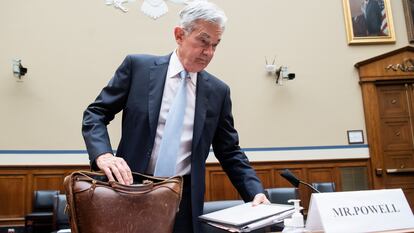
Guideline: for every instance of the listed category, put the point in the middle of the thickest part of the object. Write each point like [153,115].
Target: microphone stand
[310,186]
[295,181]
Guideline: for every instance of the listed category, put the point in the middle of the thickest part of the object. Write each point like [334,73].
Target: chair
[60,218]
[41,217]
[212,206]
[281,195]
[324,187]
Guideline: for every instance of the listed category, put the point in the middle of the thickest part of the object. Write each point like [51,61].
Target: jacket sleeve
[97,116]
[233,160]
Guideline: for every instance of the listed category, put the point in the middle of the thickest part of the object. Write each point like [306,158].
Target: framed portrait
[368,21]
[355,136]
[409,20]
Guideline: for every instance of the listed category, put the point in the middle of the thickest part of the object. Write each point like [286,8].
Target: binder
[245,217]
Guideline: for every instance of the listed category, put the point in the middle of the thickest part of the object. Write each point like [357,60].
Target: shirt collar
[175,67]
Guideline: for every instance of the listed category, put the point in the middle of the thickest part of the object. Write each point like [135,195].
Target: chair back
[60,218]
[324,187]
[281,195]
[43,200]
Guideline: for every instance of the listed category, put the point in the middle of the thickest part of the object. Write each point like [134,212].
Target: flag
[384,23]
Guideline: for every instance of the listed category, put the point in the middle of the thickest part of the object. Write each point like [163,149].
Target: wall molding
[360,151]
[257,154]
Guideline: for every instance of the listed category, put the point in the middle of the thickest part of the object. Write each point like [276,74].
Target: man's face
[196,49]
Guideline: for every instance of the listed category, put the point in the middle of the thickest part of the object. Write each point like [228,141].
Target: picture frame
[355,136]
[408,6]
[368,21]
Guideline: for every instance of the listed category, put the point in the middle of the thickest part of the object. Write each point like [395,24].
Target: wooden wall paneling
[208,184]
[17,184]
[326,174]
[12,196]
[48,182]
[338,177]
[218,186]
[269,173]
[29,188]
[221,187]
[266,176]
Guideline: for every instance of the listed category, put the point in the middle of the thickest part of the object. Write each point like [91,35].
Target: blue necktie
[170,142]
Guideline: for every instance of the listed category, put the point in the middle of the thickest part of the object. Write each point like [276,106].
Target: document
[245,217]
[64,231]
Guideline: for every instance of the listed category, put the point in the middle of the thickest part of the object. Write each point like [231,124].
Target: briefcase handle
[149,183]
[132,189]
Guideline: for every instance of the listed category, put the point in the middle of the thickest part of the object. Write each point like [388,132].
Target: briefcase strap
[70,202]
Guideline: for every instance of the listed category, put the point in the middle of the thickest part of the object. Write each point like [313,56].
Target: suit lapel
[202,95]
[158,73]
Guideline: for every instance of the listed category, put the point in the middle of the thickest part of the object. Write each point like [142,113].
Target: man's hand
[112,165]
[260,198]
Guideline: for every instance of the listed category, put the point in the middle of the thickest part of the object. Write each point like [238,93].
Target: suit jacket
[373,18]
[137,89]
[359,26]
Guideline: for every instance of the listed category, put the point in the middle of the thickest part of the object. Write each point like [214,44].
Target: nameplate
[359,211]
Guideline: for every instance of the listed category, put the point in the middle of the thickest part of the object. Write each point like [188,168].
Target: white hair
[201,10]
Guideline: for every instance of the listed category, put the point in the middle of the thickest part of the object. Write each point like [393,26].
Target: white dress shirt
[172,80]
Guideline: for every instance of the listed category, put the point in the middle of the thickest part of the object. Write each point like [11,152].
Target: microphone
[295,181]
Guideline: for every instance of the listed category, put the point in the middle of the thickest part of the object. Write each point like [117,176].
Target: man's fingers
[256,202]
[128,171]
[117,174]
[260,198]
[115,167]
[123,171]
[108,173]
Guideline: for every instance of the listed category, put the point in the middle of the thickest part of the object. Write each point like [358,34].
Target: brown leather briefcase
[96,205]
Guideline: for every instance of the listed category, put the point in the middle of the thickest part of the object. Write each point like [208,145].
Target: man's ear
[179,34]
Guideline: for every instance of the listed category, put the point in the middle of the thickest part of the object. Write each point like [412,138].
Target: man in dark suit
[144,88]
[369,22]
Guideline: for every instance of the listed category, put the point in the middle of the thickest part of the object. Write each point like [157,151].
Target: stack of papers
[245,217]
[64,231]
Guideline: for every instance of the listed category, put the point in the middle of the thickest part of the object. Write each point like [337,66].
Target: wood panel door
[387,83]
[396,108]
